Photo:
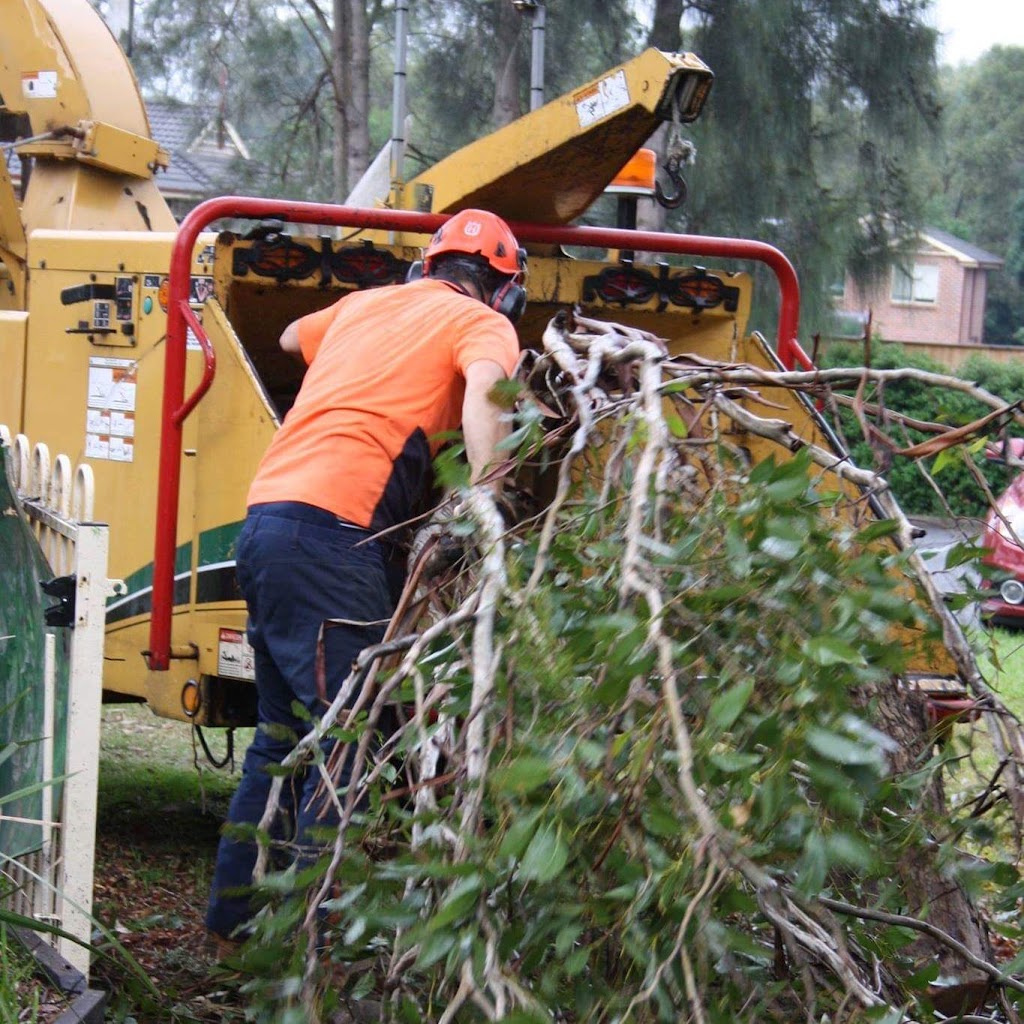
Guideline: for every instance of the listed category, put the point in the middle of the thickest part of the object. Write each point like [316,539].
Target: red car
[1003,536]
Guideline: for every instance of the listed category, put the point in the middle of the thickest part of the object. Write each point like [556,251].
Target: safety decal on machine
[235,659]
[601,99]
[39,85]
[110,409]
[200,289]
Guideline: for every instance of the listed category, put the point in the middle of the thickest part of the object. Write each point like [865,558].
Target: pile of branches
[649,749]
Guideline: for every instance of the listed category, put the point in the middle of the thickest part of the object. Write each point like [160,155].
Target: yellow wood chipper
[151,351]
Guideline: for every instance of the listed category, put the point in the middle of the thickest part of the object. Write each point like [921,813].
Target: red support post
[176,408]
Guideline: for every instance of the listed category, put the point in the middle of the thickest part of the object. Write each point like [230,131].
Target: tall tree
[471,59]
[351,73]
[984,144]
[665,34]
[666,31]
[307,80]
[813,131]
[295,75]
[982,181]
[508,103]
[810,140]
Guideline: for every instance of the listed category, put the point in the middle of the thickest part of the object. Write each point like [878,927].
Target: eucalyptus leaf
[462,896]
[841,749]
[546,855]
[727,707]
[830,650]
[522,775]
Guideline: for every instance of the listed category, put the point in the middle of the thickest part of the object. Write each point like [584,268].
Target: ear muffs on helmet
[509,299]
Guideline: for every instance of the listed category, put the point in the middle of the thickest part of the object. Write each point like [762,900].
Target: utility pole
[399,101]
[538,15]
[121,21]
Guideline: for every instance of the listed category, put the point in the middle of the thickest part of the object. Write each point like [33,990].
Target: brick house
[939,298]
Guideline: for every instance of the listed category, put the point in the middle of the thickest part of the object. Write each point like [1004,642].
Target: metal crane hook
[672,201]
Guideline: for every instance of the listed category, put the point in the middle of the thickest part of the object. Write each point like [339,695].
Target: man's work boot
[219,948]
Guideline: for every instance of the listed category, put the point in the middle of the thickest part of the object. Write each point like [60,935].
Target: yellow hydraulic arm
[550,165]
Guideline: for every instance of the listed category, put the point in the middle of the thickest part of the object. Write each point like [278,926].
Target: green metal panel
[22,633]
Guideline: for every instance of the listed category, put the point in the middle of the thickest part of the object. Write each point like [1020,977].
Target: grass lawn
[1005,670]
[145,760]
[1000,655]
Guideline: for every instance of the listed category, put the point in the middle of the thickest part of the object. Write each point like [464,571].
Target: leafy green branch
[638,755]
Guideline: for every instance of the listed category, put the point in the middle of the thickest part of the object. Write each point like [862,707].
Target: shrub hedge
[922,402]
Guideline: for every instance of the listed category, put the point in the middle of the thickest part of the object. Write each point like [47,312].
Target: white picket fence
[54,884]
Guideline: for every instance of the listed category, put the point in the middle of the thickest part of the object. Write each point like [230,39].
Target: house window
[922,286]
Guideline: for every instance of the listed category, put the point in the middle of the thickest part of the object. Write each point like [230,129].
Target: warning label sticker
[235,658]
[39,85]
[120,449]
[97,446]
[110,412]
[601,100]
[112,383]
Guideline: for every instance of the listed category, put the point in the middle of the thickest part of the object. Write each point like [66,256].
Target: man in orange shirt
[389,372]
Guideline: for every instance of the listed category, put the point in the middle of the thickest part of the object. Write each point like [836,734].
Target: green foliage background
[921,402]
[820,120]
[817,120]
[831,131]
[977,185]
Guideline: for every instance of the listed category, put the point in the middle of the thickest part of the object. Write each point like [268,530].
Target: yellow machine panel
[93,373]
[13,333]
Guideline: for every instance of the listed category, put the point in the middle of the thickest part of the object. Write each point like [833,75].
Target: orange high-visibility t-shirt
[386,376]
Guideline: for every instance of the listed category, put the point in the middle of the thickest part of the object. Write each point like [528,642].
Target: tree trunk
[358,99]
[339,108]
[902,715]
[666,34]
[507,105]
[650,214]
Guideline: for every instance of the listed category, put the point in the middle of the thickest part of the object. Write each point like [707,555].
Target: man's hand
[451,532]
[447,547]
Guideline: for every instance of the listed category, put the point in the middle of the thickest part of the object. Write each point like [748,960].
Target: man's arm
[482,425]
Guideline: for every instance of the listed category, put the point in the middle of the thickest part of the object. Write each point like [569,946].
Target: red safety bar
[176,407]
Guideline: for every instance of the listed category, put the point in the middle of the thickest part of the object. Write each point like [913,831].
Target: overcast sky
[970,27]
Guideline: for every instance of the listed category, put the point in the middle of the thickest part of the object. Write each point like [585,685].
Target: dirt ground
[158,825]
[153,902]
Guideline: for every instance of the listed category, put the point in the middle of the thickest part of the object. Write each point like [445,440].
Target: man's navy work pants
[297,566]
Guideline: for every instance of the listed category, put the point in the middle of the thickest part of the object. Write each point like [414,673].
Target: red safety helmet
[478,233]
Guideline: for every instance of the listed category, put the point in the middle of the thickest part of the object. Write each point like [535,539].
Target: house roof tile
[199,166]
[964,251]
